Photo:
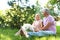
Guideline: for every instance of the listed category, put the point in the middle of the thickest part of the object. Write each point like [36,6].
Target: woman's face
[37,17]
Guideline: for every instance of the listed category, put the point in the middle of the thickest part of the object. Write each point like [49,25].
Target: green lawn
[8,34]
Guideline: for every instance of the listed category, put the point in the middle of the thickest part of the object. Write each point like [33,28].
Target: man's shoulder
[50,16]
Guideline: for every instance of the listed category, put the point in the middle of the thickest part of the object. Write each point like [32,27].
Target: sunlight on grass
[4,37]
[51,38]
[57,38]
[36,38]
[43,38]
[58,23]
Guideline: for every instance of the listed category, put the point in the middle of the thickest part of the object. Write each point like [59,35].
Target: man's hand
[46,26]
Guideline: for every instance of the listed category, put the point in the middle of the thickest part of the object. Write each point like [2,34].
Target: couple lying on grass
[39,27]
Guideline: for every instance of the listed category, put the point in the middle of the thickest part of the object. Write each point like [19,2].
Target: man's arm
[47,26]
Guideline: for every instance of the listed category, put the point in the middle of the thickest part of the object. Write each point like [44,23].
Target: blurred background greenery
[20,12]
[17,15]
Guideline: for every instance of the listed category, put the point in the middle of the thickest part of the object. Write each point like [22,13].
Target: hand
[36,29]
[41,28]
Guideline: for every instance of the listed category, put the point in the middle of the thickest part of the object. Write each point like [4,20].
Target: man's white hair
[46,10]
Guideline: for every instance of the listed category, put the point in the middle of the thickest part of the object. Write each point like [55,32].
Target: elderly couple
[39,27]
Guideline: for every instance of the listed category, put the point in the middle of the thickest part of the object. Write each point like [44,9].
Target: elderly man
[48,22]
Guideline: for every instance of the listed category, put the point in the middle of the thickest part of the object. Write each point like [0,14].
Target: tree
[16,16]
[38,8]
[52,4]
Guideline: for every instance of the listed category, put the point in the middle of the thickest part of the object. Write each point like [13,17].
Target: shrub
[16,17]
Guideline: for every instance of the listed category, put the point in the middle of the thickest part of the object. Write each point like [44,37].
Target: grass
[8,34]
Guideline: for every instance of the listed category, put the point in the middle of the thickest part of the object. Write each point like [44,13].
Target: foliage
[16,17]
[53,2]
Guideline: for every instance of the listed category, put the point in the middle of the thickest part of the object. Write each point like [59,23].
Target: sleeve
[51,20]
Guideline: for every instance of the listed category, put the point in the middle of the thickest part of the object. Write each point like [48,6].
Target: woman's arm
[33,23]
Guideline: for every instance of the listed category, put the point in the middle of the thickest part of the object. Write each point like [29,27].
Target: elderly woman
[35,27]
[48,28]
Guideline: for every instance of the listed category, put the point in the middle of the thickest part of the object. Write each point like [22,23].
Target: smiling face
[45,13]
[37,17]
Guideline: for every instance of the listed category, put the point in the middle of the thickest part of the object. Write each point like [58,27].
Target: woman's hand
[36,29]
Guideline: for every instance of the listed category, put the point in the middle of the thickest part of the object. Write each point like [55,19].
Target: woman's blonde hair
[36,15]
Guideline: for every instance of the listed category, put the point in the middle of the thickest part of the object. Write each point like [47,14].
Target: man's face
[44,13]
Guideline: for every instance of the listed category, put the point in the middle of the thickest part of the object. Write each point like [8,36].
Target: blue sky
[4,5]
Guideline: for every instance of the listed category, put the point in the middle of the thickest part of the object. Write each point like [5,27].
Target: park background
[15,13]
